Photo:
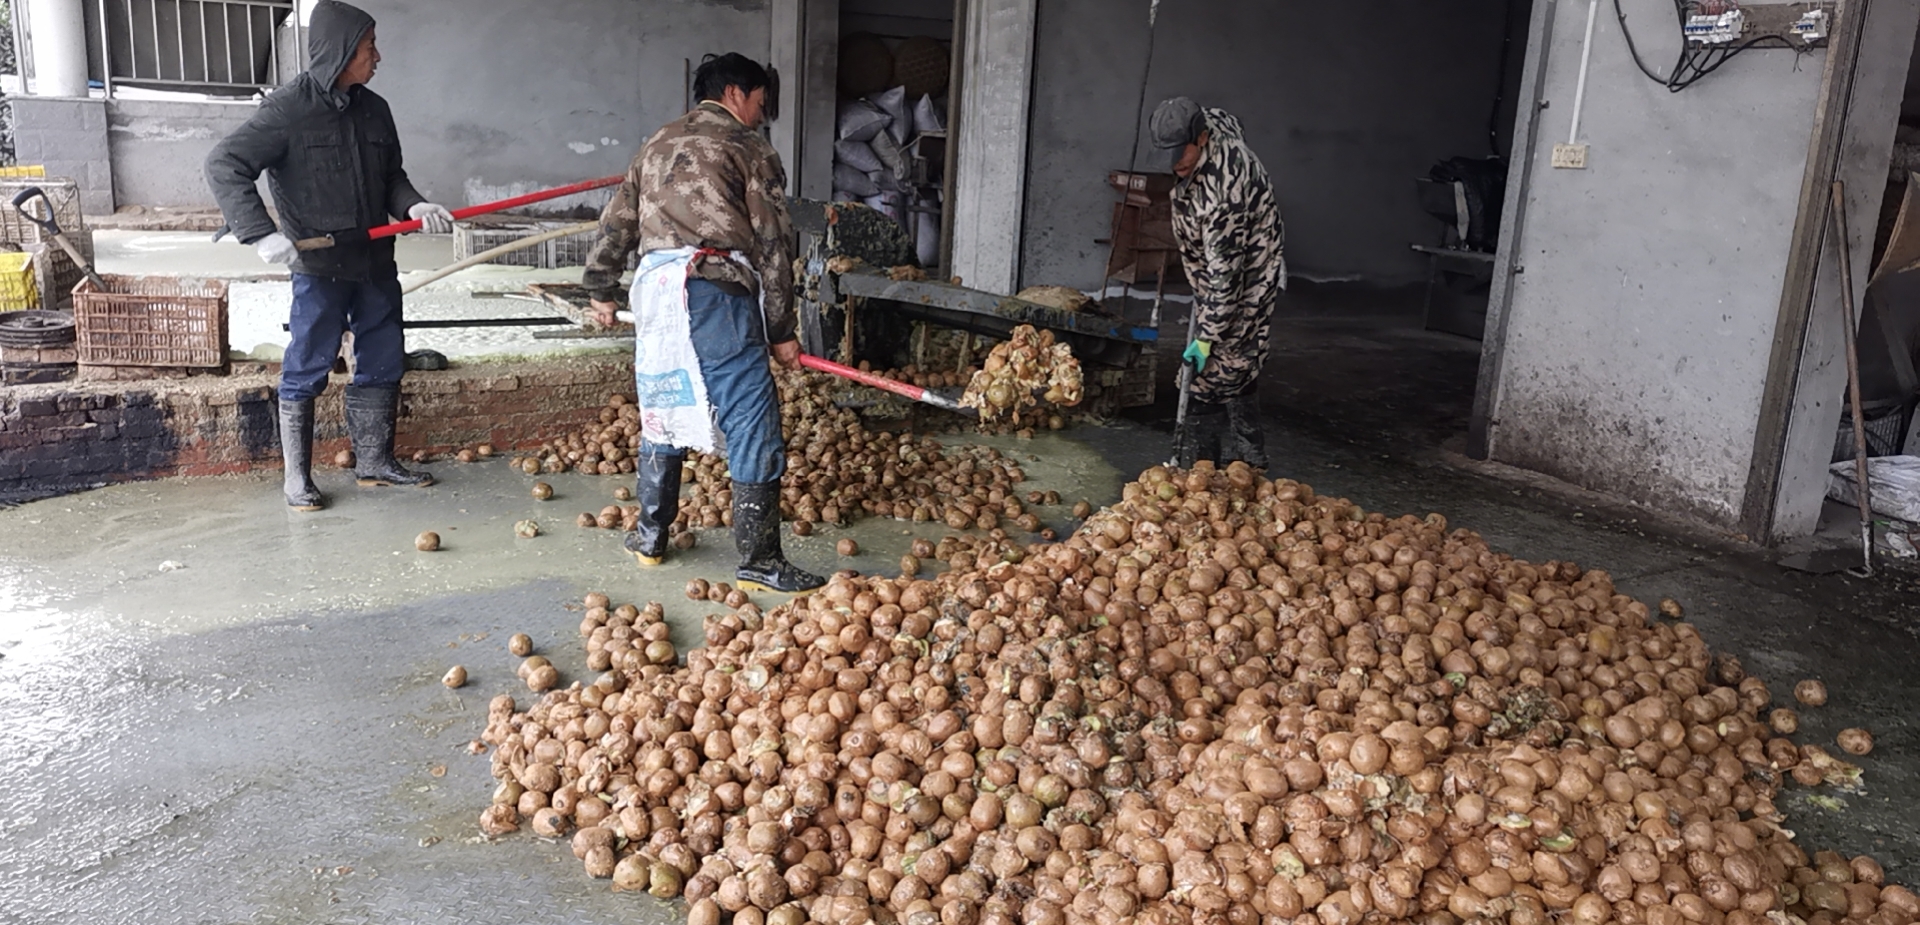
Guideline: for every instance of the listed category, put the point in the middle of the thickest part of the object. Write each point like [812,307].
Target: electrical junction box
[1714,29]
[1811,27]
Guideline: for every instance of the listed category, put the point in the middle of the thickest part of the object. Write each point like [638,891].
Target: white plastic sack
[857,154]
[890,156]
[894,104]
[886,204]
[841,195]
[853,181]
[672,394]
[1893,480]
[859,120]
[927,116]
[886,182]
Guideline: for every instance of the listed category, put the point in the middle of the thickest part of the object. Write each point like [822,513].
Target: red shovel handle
[881,382]
[485,208]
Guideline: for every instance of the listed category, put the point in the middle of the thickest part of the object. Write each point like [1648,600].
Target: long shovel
[23,202]
[895,386]
[1861,487]
[362,235]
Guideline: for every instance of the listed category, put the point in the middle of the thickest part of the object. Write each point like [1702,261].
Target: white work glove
[276,248]
[433,219]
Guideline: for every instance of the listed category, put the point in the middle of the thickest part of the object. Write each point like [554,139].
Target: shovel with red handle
[361,235]
[902,389]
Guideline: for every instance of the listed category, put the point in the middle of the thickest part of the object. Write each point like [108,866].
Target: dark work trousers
[325,307]
[730,338]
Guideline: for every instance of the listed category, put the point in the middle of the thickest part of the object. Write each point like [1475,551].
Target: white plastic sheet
[1894,482]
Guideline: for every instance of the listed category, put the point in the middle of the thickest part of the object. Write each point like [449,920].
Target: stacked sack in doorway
[871,164]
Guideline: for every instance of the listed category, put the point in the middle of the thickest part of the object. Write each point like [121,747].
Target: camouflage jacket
[1232,242]
[704,180]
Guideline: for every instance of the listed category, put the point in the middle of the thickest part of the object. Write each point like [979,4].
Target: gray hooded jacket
[332,158]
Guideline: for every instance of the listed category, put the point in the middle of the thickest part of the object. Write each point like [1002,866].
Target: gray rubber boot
[1201,436]
[656,480]
[296,449]
[756,532]
[371,413]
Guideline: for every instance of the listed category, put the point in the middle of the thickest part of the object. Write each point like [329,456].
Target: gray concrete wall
[500,97]
[1649,284]
[1343,122]
[158,148]
[69,138]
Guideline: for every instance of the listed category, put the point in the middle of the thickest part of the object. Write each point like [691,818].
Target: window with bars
[209,46]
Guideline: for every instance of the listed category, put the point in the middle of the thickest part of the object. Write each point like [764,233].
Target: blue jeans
[730,339]
[323,307]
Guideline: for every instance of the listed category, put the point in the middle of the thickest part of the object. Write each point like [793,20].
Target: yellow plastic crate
[25,170]
[17,290]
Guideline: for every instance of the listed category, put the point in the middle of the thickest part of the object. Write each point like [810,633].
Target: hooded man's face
[359,70]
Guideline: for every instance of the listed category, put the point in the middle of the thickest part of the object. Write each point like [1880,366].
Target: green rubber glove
[1198,353]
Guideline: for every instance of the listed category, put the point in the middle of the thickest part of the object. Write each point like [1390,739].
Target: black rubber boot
[296,448]
[1200,437]
[756,532]
[1249,437]
[371,411]
[656,481]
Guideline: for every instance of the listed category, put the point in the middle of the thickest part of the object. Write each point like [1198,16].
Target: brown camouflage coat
[1232,244]
[704,180]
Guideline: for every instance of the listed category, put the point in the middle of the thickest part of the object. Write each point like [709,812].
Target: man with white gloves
[332,156]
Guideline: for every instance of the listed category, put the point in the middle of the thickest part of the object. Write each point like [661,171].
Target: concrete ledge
[66,437]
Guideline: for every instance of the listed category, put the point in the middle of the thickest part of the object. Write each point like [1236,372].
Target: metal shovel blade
[1821,561]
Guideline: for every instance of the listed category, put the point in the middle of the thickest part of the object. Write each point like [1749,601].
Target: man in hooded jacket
[1232,245]
[332,157]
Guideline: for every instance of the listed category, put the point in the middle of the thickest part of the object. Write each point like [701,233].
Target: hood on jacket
[332,36]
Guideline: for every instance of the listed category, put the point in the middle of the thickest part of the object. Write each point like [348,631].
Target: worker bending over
[1231,239]
[332,156]
[704,204]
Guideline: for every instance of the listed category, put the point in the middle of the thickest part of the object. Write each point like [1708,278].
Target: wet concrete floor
[219,711]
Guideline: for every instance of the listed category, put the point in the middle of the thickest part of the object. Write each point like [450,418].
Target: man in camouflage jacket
[711,182]
[1231,238]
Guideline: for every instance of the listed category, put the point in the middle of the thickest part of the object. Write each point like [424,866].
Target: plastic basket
[16,282]
[151,321]
[479,236]
[63,193]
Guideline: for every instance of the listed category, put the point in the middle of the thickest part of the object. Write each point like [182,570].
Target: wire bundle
[1695,62]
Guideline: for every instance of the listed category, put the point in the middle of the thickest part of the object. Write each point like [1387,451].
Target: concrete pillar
[991,162]
[59,47]
[805,47]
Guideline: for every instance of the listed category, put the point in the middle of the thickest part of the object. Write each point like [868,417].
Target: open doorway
[893,84]
[1386,139]
[1887,343]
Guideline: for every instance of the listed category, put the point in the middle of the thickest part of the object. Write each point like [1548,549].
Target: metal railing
[195,45]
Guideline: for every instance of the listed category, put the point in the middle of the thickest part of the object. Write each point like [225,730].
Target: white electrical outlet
[1570,157]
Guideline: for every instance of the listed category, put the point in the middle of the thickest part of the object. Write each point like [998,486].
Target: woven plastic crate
[16,282]
[63,193]
[151,321]
[481,235]
[55,270]
[471,239]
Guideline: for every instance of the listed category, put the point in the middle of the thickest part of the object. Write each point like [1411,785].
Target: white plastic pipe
[1580,88]
[59,29]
